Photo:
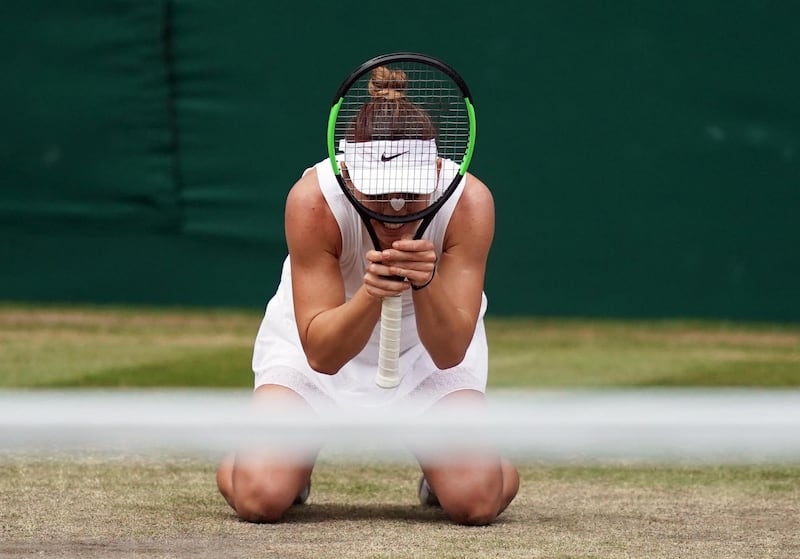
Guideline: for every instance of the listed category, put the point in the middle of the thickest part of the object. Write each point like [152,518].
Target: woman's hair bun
[387,84]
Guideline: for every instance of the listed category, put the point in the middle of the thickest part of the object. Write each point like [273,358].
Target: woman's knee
[252,500]
[263,490]
[225,479]
[260,502]
[477,502]
[474,510]
[510,482]
[262,483]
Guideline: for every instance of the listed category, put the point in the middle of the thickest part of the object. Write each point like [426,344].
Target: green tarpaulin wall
[644,156]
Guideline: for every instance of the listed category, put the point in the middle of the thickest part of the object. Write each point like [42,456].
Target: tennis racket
[401,134]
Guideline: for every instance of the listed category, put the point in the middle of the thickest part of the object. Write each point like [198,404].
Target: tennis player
[317,348]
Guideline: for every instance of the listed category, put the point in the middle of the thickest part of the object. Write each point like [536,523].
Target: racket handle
[389,349]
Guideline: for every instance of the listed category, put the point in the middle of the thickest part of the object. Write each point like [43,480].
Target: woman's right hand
[378,280]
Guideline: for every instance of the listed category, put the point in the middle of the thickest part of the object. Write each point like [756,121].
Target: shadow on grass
[312,513]
[330,512]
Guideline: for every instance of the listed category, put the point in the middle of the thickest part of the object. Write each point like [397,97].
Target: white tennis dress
[278,357]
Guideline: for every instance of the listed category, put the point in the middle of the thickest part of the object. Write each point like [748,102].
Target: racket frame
[426,214]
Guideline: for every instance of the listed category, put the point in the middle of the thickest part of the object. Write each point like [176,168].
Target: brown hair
[389,115]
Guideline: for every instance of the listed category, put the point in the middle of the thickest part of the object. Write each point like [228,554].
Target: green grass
[123,506]
[69,346]
[60,346]
[635,353]
[151,508]
[212,368]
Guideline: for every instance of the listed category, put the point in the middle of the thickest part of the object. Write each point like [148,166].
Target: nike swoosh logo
[386,158]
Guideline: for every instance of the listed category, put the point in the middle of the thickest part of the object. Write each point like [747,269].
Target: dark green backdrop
[644,156]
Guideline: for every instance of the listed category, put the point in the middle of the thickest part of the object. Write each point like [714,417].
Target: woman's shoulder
[473,217]
[476,199]
[306,189]
[307,210]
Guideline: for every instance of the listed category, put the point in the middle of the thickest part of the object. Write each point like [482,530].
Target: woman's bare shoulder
[476,192]
[306,190]
[476,203]
[308,214]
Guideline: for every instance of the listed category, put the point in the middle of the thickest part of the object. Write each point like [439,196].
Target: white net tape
[722,426]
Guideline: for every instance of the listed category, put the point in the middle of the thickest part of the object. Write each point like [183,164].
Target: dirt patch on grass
[133,508]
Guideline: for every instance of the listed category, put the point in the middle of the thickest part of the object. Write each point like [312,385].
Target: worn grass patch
[129,507]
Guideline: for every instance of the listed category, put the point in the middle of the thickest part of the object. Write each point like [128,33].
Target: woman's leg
[260,484]
[472,483]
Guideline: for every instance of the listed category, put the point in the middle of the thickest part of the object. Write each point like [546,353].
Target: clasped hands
[414,260]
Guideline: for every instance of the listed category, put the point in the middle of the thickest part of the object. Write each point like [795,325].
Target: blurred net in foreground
[705,426]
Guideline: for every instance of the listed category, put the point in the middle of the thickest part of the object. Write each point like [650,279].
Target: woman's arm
[447,308]
[331,330]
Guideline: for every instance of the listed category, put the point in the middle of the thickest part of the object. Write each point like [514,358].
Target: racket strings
[405,145]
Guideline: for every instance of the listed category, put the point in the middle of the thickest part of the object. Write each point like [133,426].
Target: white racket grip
[389,349]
